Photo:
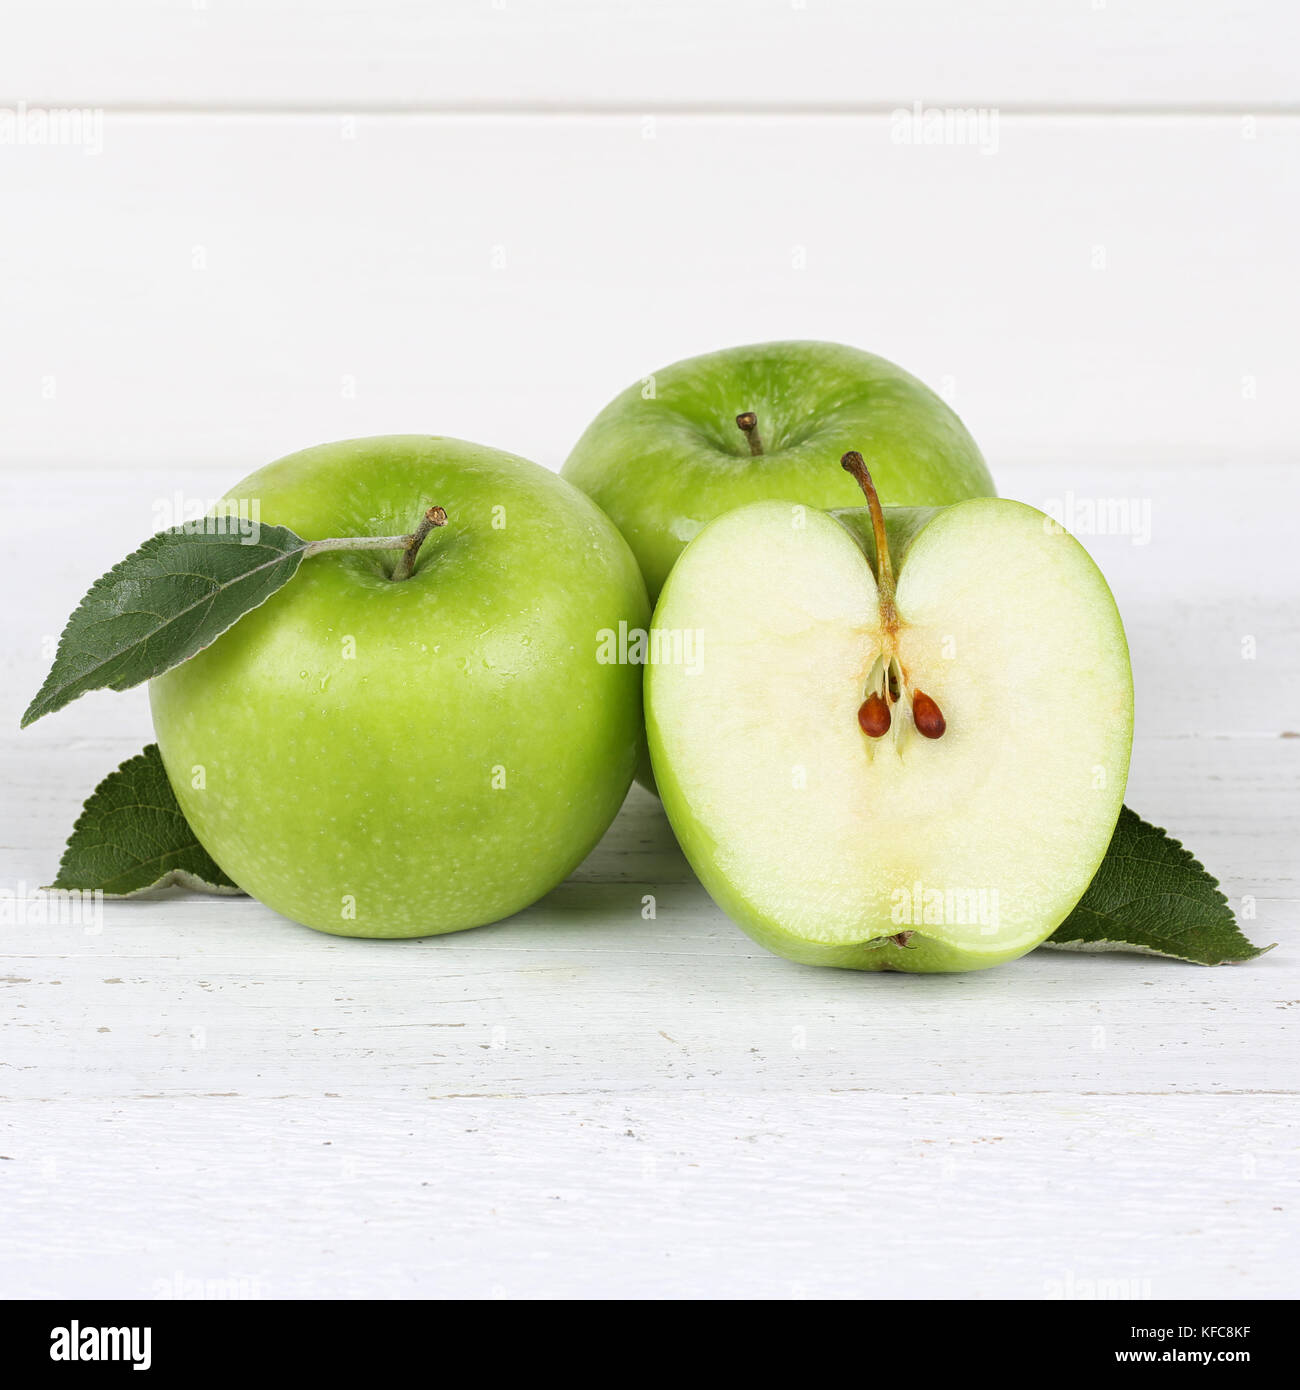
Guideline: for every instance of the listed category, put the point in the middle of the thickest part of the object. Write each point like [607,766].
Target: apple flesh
[384,758]
[667,455]
[898,851]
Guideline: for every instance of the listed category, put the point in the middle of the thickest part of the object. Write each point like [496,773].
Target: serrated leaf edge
[52,704]
[1188,860]
[1107,946]
[168,877]
[173,878]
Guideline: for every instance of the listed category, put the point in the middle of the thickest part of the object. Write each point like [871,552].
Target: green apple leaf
[132,835]
[1151,895]
[180,591]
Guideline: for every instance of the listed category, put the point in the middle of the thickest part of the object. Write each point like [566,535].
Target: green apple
[389,759]
[899,745]
[755,423]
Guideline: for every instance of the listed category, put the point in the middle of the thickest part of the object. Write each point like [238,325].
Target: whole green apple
[753,423]
[393,757]
[898,745]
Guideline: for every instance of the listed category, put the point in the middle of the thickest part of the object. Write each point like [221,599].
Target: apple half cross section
[903,740]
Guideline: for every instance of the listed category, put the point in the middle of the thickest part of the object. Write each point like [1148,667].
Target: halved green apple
[891,740]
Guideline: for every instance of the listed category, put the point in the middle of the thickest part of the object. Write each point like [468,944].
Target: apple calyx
[747,424]
[887,684]
[409,545]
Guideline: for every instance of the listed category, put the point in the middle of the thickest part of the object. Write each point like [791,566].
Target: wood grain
[736,1194]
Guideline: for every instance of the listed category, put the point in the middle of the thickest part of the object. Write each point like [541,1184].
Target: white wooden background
[315,221]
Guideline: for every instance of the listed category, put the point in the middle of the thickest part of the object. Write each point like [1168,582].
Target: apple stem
[405,565]
[409,545]
[747,423]
[853,463]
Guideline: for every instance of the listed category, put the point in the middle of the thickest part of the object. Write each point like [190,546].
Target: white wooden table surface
[485,220]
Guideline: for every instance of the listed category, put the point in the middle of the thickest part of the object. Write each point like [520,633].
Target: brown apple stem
[405,565]
[852,463]
[409,545]
[747,423]
[355,543]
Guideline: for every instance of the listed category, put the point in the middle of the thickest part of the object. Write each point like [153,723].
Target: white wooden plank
[227,289]
[639,55]
[674,1195]
[579,996]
